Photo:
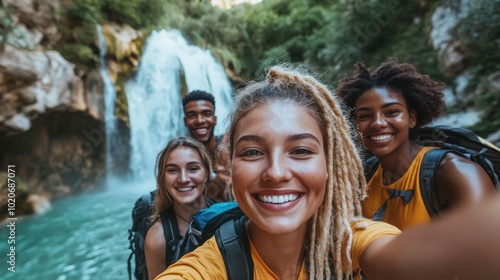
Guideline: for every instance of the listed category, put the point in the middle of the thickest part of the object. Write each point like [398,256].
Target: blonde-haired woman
[183,169]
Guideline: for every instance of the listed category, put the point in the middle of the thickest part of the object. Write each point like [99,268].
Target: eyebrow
[302,136]
[383,106]
[248,138]
[294,137]
[202,112]
[189,163]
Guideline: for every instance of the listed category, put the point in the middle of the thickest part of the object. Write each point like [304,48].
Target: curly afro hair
[421,94]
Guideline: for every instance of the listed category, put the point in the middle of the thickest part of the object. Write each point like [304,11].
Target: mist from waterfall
[169,68]
[109,95]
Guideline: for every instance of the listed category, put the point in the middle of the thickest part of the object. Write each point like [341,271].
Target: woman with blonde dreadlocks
[296,175]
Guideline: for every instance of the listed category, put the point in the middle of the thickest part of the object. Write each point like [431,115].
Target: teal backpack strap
[430,165]
[232,240]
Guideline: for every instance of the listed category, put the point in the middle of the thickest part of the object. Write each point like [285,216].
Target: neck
[282,253]
[210,146]
[395,165]
[187,211]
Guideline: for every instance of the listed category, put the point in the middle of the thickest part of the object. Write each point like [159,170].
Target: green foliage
[84,11]
[80,17]
[6,24]
[79,54]
[372,32]
[137,13]
[228,59]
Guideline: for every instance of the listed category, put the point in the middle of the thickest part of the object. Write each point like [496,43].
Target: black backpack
[142,211]
[224,219]
[450,139]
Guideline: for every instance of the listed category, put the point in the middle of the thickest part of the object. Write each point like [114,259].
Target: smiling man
[200,120]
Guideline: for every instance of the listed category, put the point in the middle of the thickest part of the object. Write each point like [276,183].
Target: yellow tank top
[397,213]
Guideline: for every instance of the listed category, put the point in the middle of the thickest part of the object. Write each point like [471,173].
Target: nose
[378,122]
[277,170]
[200,118]
[183,177]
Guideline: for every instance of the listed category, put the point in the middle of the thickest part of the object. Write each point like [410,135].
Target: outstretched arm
[462,244]
[461,182]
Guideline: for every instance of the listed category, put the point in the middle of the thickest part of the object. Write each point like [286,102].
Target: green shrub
[84,11]
[81,55]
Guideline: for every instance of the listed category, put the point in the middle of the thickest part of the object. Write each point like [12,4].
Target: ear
[413,118]
[185,123]
[215,118]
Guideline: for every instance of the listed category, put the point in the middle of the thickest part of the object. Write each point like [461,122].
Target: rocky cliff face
[51,111]
[454,57]
[50,121]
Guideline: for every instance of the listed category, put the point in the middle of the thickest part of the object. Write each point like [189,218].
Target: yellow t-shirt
[206,261]
[397,213]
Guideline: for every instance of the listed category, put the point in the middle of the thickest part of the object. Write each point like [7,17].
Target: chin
[279,225]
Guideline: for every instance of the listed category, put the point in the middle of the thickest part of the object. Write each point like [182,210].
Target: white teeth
[278,199]
[185,189]
[381,137]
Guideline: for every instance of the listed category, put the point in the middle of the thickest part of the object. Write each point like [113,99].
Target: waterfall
[169,68]
[109,94]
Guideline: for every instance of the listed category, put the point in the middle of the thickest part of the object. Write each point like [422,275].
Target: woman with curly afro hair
[389,105]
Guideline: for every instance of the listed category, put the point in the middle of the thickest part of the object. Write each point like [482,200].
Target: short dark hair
[196,95]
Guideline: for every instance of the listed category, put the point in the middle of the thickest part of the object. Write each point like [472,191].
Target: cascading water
[86,236]
[154,95]
[109,94]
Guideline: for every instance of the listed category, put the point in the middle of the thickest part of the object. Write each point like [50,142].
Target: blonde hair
[330,234]
[163,199]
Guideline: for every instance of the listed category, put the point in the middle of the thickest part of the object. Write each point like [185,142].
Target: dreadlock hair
[163,199]
[329,235]
[196,95]
[421,94]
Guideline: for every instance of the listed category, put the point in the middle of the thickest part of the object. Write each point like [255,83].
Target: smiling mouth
[278,199]
[201,130]
[381,137]
[185,189]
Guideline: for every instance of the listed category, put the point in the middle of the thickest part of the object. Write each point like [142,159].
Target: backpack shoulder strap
[232,240]
[209,202]
[430,165]
[170,231]
[370,166]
